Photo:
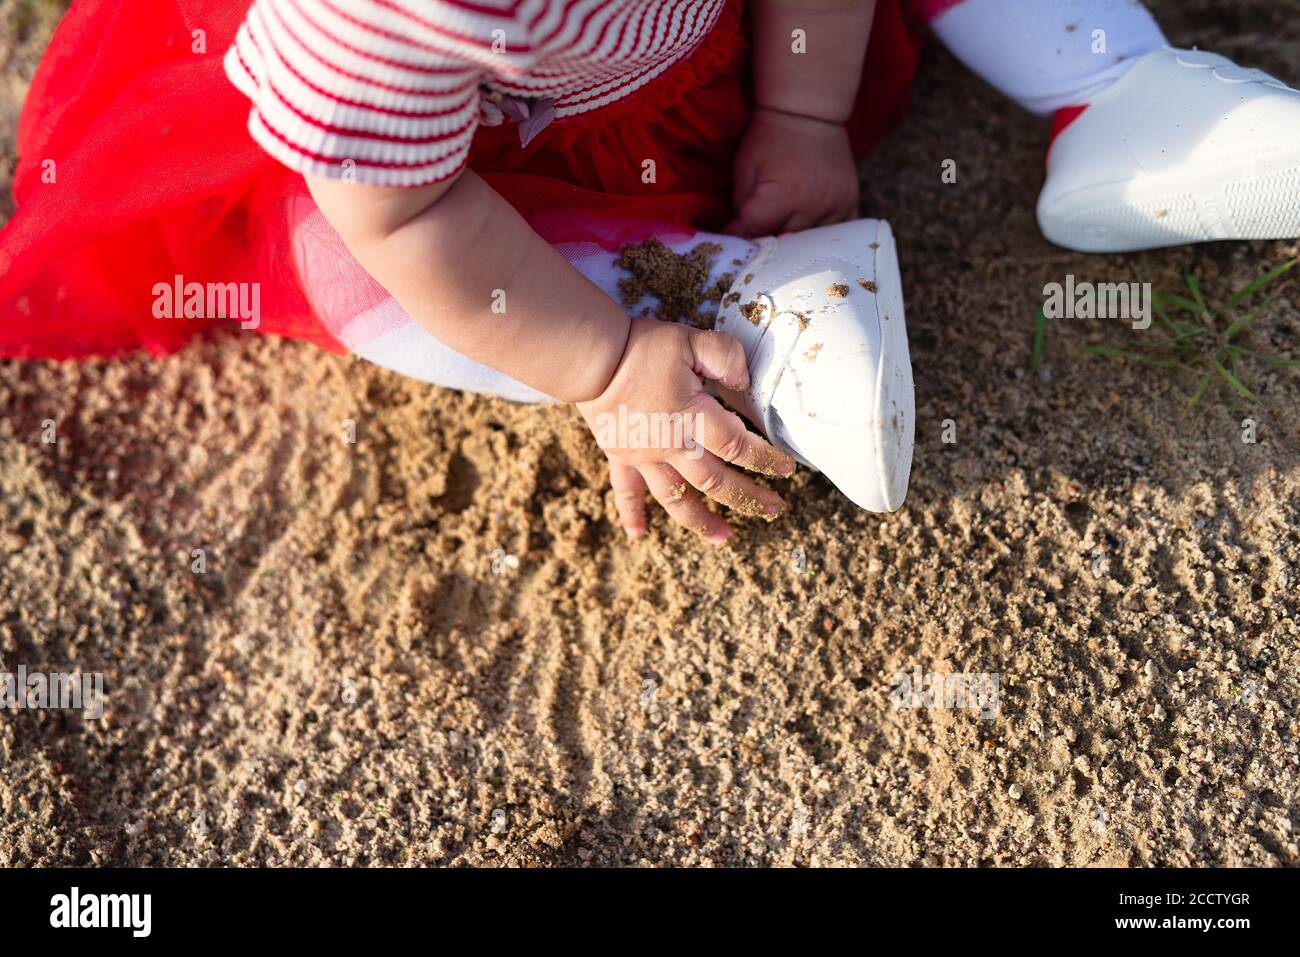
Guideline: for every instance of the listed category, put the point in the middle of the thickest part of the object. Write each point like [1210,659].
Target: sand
[678,283]
[435,646]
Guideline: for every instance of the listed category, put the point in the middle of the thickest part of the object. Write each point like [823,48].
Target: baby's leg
[1152,145]
[410,350]
[1049,54]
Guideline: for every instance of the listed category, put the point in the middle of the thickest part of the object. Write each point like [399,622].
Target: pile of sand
[678,282]
[435,645]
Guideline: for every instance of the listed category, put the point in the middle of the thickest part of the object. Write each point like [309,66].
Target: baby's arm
[451,251]
[443,251]
[795,168]
[822,81]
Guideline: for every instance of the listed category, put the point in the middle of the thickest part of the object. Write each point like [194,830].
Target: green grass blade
[1241,323]
[1177,331]
[1262,357]
[1194,285]
[1234,382]
[1201,387]
[1180,302]
[1040,336]
[1159,361]
[1162,314]
[1248,290]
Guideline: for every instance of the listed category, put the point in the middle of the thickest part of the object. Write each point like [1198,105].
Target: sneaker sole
[1259,200]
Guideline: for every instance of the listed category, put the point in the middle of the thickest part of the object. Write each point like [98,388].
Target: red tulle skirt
[136,167]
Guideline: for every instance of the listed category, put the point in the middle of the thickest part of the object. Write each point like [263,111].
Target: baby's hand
[660,381]
[792,172]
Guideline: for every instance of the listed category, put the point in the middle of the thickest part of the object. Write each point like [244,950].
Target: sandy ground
[360,677]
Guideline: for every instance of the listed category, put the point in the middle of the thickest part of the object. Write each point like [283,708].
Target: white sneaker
[820,313]
[1186,147]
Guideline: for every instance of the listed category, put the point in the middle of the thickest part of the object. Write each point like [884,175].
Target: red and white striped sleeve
[385,92]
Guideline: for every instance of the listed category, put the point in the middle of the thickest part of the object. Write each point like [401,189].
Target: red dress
[136,166]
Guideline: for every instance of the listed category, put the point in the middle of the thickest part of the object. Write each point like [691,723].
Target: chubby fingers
[724,434]
[802,219]
[629,497]
[707,473]
[718,357]
[840,214]
[683,504]
[765,211]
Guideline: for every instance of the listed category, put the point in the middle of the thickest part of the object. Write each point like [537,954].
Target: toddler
[443,186]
